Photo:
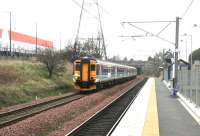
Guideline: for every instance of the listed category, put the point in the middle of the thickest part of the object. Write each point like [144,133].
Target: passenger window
[77,67]
[92,67]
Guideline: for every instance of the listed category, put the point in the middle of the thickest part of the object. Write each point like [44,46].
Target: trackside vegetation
[23,81]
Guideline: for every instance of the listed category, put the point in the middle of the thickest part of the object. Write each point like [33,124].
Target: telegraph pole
[10,36]
[60,41]
[35,38]
[176,52]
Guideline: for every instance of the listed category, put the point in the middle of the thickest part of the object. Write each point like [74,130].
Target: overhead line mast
[157,35]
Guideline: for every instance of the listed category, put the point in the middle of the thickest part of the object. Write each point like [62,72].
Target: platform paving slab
[174,120]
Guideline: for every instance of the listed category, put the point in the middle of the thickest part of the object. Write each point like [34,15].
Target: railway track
[14,116]
[105,120]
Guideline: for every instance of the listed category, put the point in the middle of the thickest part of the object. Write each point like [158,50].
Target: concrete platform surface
[174,120]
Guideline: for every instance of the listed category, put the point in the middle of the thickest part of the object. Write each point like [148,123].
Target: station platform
[156,112]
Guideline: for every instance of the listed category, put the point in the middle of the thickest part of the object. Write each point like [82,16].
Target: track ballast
[104,121]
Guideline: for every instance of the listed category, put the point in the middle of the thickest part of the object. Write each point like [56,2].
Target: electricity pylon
[100,36]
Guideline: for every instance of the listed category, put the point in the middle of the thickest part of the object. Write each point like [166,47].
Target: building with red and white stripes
[22,42]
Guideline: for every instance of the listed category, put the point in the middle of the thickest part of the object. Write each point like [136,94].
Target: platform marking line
[151,124]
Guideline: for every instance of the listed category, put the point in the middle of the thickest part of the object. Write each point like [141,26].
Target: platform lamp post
[190,65]
[190,46]
[185,49]
[197,91]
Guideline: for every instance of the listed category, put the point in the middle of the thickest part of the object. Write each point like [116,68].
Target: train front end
[84,75]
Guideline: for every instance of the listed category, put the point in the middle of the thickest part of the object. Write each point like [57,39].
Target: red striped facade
[23,38]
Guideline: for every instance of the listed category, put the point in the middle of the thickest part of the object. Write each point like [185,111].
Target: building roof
[180,60]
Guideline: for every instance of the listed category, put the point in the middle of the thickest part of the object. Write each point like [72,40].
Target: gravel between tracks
[38,101]
[61,120]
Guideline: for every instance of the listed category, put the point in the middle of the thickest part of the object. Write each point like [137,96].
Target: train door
[84,72]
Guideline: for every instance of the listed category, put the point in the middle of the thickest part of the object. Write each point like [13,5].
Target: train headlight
[76,77]
[93,79]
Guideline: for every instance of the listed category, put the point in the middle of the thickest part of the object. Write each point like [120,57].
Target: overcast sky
[55,17]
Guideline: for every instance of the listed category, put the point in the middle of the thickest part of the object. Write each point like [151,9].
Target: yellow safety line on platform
[151,125]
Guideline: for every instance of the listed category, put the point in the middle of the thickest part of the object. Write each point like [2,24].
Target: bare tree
[53,60]
[154,63]
[115,59]
[68,52]
[89,47]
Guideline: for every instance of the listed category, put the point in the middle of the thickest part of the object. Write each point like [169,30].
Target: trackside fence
[18,53]
[189,84]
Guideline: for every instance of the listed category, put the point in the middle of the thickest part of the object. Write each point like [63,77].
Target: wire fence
[189,83]
[17,53]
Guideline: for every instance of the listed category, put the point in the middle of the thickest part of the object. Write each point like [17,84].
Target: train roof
[105,62]
[113,64]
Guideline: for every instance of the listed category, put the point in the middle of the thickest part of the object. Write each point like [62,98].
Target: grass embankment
[23,81]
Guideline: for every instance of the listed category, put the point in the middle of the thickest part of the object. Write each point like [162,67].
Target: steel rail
[11,117]
[106,119]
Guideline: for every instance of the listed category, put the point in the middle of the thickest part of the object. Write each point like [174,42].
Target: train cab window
[77,67]
[93,67]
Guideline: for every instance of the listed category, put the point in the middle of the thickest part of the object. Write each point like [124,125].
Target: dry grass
[23,81]
[8,76]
